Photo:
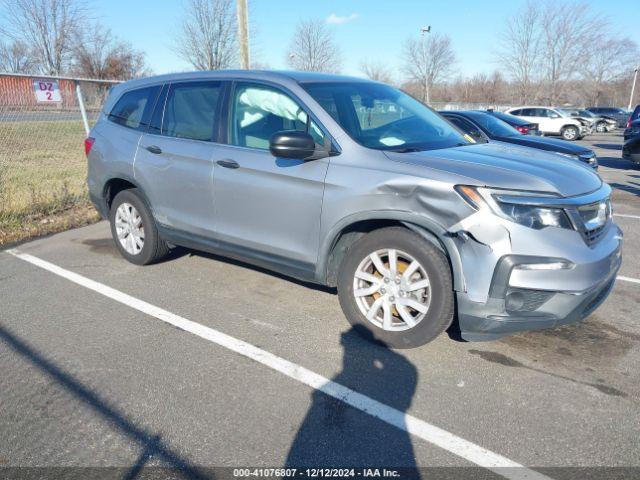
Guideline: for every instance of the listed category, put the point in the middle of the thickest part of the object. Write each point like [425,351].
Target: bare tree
[16,57]
[208,40]
[429,60]
[521,53]
[568,33]
[313,48]
[100,55]
[376,71]
[610,60]
[47,27]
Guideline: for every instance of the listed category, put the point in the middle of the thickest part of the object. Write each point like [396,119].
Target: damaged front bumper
[516,278]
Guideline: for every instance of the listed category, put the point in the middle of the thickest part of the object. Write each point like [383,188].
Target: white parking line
[628,279]
[625,215]
[421,429]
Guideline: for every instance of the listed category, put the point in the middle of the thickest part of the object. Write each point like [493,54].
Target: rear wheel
[570,133]
[134,230]
[396,287]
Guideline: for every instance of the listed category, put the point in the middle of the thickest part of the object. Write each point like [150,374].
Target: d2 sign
[47,91]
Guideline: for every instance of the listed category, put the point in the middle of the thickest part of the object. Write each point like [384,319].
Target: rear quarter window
[133,109]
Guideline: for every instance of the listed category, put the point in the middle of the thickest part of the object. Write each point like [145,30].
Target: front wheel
[570,133]
[396,287]
[601,127]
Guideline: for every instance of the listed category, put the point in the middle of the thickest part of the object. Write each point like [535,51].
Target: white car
[551,121]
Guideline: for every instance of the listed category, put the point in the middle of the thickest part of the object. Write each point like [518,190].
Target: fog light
[545,266]
[514,301]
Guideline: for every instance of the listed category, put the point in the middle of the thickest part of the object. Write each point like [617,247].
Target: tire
[570,133]
[601,127]
[437,297]
[152,248]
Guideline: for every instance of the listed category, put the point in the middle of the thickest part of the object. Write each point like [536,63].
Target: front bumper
[499,296]
[512,309]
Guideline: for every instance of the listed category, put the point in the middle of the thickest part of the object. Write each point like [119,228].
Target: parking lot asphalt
[105,369]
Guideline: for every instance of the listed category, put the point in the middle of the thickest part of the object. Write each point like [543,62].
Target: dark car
[483,126]
[635,115]
[620,115]
[524,127]
[633,130]
[631,147]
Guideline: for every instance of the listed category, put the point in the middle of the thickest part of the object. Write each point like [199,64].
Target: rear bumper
[99,204]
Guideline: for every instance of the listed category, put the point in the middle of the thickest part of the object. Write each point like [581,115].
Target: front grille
[592,236]
[595,219]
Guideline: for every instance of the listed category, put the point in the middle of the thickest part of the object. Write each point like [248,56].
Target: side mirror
[294,144]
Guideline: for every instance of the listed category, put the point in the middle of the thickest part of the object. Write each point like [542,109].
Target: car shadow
[151,445]
[615,162]
[230,261]
[631,187]
[608,146]
[334,434]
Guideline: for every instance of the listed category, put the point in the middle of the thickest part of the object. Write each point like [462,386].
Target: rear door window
[190,111]
[134,108]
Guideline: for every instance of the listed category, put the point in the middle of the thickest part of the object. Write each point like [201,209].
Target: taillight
[88,143]
[629,122]
[523,130]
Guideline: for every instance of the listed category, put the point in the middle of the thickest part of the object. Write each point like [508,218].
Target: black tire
[441,308]
[154,248]
[570,133]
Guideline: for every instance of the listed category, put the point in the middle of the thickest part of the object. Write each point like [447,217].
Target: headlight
[535,217]
[569,155]
[531,216]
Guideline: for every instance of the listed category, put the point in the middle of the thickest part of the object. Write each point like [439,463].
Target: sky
[364,29]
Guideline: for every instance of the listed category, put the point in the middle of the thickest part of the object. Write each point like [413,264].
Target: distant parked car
[594,122]
[523,126]
[551,122]
[482,126]
[620,115]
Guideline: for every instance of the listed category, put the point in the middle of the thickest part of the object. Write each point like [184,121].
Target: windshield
[585,113]
[493,125]
[384,118]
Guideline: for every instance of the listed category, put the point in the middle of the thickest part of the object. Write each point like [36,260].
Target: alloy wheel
[392,290]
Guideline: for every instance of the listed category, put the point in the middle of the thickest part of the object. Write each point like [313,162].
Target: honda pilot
[354,184]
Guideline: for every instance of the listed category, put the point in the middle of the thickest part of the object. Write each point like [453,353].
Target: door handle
[154,149]
[228,163]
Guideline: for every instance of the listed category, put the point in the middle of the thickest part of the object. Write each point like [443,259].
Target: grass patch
[43,173]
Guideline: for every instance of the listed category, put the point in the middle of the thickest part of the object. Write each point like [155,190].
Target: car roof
[532,106]
[272,75]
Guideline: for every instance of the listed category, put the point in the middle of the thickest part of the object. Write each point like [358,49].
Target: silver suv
[353,184]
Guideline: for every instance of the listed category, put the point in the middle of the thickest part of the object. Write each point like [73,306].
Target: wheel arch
[117,184]
[338,240]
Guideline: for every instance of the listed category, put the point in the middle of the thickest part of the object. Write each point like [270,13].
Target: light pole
[425,80]
[243,33]
[633,86]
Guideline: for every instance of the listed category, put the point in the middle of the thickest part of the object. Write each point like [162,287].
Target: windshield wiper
[406,150]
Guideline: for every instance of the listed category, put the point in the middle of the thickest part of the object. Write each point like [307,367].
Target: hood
[546,143]
[513,167]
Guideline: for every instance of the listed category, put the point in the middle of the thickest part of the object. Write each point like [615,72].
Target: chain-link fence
[43,122]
